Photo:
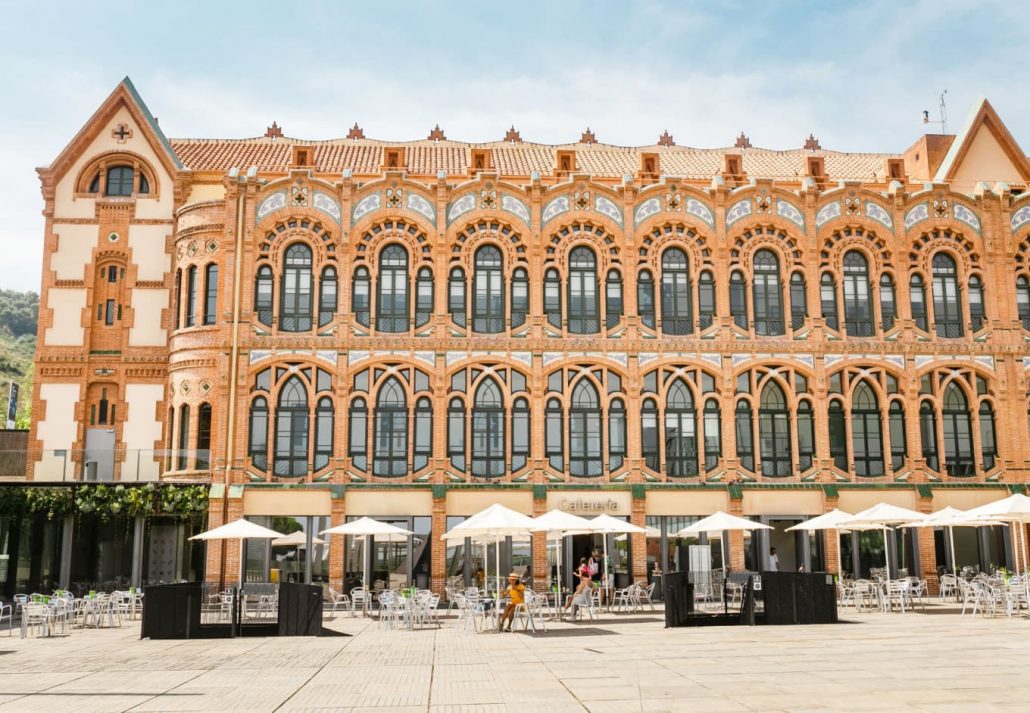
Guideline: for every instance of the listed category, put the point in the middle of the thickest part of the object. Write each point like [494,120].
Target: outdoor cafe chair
[35,615]
[589,601]
[389,608]
[529,612]
[358,597]
[337,599]
[7,612]
[948,586]
[646,594]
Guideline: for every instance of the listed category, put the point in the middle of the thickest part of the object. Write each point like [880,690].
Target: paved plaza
[935,661]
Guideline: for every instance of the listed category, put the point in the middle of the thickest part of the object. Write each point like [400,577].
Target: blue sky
[858,75]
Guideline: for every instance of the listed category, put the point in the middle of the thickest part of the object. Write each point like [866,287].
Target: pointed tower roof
[984,133]
[124,95]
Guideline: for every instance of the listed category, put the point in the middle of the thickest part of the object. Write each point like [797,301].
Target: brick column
[638,542]
[736,539]
[336,553]
[438,548]
[213,566]
[927,550]
[831,538]
[541,570]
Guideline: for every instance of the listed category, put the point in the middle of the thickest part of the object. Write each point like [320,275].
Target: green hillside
[18,313]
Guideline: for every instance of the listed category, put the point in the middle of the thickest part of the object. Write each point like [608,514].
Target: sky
[857,75]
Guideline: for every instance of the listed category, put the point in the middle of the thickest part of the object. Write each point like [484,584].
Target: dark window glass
[680,431]
[119,181]
[677,310]
[806,436]
[360,297]
[456,433]
[456,296]
[958,432]
[616,434]
[488,430]
[392,306]
[917,299]
[291,430]
[928,435]
[745,436]
[613,299]
[554,428]
[112,273]
[584,305]
[649,435]
[706,300]
[210,294]
[858,305]
[838,435]
[767,295]
[519,434]
[488,291]
[144,184]
[357,438]
[1023,300]
[178,298]
[191,296]
[774,432]
[519,297]
[391,430]
[258,441]
[866,434]
[423,449]
[738,300]
[94,185]
[828,300]
[327,296]
[423,297]
[888,310]
[645,299]
[204,437]
[109,312]
[184,437]
[713,435]
[552,298]
[585,430]
[296,296]
[947,306]
[988,443]
[263,295]
[798,301]
[898,437]
[324,416]
[976,304]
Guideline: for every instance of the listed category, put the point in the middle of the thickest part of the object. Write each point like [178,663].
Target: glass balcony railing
[105,465]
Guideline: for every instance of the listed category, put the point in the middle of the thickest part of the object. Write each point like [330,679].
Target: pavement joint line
[158,695]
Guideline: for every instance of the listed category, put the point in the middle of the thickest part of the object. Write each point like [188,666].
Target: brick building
[414,330]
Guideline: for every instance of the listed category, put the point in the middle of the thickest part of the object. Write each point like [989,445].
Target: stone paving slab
[910,663]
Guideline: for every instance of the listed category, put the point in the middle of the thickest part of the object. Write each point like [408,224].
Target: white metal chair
[7,612]
[358,599]
[337,599]
[35,615]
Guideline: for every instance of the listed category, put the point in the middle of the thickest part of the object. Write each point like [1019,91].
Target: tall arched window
[947,305]
[295,300]
[838,435]
[798,301]
[745,435]
[774,431]
[584,305]
[456,433]
[767,294]
[552,297]
[649,435]
[613,299]
[705,300]
[423,449]
[645,299]
[858,306]
[976,303]
[616,434]
[357,435]
[677,311]
[988,444]
[928,435]
[392,301]
[958,432]
[390,457]
[210,293]
[204,437]
[263,295]
[680,431]
[324,417]
[488,291]
[488,430]
[178,297]
[828,300]
[738,299]
[585,430]
[120,181]
[866,435]
[806,435]
[456,296]
[327,296]
[291,430]
[888,309]
[1023,300]
[257,443]
[713,434]
[553,435]
[191,296]
[184,437]
[361,301]
[423,296]
[519,434]
[519,297]
[896,420]
[917,300]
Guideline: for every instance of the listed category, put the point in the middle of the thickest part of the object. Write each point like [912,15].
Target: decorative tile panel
[877,213]
[353,357]
[699,210]
[740,209]
[646,357]
[645,210]
[514,206]
[327,204]
[460,207]
[619,357]
[326,355]
[417,203]
[454,357]
[789,211]
[551,357]
[1020,218]
[523,357]
[606,207]
[366,205]
[715,359]
[966,216]
[556,207]
[271,203]
[257,355]
[426,358]
[917,214]
[986,362]
[827,213]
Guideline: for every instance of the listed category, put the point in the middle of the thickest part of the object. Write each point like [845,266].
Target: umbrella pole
[604,584]
[954,557]
[497,575]
[840,574]
[887,558]
[364,575]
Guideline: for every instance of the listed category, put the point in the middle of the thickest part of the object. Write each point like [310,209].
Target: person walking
[774,560]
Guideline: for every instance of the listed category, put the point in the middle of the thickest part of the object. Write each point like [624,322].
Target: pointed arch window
[680,431]
[357,437]
[456,296]
[988,443]
[1023,300]
[191,296]
[488,291]
[677,310]
[554,427]
[423,449]
[584,305]
[488,430]
[767,294]
[178,297]
[917,300]
[324,417]
[390,458]
[295,306]
[705,300]
[361,297]
[210,294]
[327,296]
[204,437]
[519,434]
[798,301]
[774,431]
[896,420]
[888,308]
[806,435]
[738,299]
[928,435]
[423,297]
[291,430]
[713,434]
[184,437]
[957,430]
[947,305]
[976,303]
[858,306]
[552,298]
[613,306]
[866,434]
[263,295]
[649,435]
[828,300]
[519,297]
[745,435]
[645,299]
[585,430]
[392,301]
[616,434]
[456,433]
[257,444]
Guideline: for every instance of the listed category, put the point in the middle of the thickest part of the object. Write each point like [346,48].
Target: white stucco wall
[66,329]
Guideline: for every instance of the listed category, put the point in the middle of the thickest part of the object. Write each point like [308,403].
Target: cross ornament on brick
[122,133]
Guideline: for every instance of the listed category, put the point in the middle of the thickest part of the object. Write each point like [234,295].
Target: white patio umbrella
[606,524]
[296,539]
[883,515]
[365,527]
[557,524]
[498,522]
[951,518]
[241,530]
[827,521]
[1015,509]
[719,522]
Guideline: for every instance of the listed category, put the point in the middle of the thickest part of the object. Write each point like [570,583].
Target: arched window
[958,432]
[806,435]
[361,297]
[204,437]
[680,431]
[488,291]
[184,437]
[798,301]
[324,416]
[210,294]
[1023,300]
[390,458]
[774,431]
[423,449]
[327,297]
[917,301]
[888,310]
[705,300]
[120,180]
[257,445]
[519,297]
[828,300]
[645,299]
[838,435]
[988,446]
[947,305]
[584,306]
[191,296]
[767,295]
[423,296]
[858,306]
[295,299]
[713,434]
[649,435]
[488,430]
[553,440]
[677,311]
[456,296]
[519,434]
[616,434]
[178,297]
[291,430]
[357,437]
[456,433]
[613,299]
[585,430]
[976,303]
[866,435]
[928,435]
[263,295]
[745,435]
[552,298]
[392,303]
[738,300]
[896,420]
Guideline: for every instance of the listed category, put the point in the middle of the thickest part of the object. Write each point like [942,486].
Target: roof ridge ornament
[273,132]
[743,142]
[437,134]
[588,137]
[512,136]
[812,143]
[666,139]
[356,132]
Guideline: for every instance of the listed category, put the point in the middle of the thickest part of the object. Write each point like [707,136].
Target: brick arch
[277,235]
[678,369]
[674,234]
[1022,256]
[855,237]
[393,230]
[113,158]
[766,235]
[588,231]
[955,243]
[489,230]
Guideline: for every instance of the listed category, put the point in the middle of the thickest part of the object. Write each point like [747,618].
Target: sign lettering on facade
[590,504]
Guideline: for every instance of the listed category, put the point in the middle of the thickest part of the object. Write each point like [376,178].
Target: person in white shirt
[774,560]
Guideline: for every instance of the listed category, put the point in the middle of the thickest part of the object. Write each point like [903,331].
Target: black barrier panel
[171,611]
[300,609]
[678,594]
[799,598]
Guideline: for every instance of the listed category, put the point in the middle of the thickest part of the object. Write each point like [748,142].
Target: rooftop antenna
[943,109]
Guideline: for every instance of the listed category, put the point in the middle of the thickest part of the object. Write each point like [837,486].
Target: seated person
[516,594]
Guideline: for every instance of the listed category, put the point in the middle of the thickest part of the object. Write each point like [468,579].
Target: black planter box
[799,598]
[172,611]
[300,609]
